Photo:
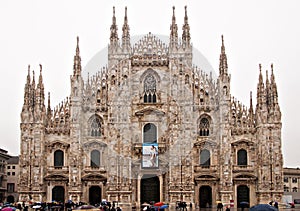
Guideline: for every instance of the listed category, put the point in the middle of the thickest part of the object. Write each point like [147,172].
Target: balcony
[95,169]
[205,169]
[242,168]
[58,169]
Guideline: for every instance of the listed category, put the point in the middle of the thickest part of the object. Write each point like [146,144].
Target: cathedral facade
[151,126]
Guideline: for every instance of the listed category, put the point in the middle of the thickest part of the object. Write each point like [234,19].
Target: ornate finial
[77,45]
[260,68]
[28,69]
[41,68]
[185,8]
[272,67]
[125,12]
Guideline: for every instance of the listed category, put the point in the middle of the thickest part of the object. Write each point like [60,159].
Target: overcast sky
[255,31]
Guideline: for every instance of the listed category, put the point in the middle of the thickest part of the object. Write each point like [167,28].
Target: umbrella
[263,207]
[164,206]
[145,204]
[36,206]
[8,209]
[158,204]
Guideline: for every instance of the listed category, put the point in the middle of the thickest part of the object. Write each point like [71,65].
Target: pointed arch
[204,125]
[95,124]
[150,80]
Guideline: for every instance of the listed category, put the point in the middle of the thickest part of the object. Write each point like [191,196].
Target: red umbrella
[8,209]
[158,204]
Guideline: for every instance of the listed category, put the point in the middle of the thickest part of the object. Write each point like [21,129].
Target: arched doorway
[58,194]
[242,194]
[95,195]
[205,196]
[150,188]
[10,199]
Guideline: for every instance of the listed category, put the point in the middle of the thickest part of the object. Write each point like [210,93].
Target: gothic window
[294,180]
[149,89]
[58,158]
[285,179]
[95,159]
[95,126]
[205,158]
[204,127]
[242,157]
[150,133]
[295,189]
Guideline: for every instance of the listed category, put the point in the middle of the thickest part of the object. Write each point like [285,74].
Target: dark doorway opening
[10,199]
[205,197]
[242,196]
[58,194]
[95,195]
[150,189]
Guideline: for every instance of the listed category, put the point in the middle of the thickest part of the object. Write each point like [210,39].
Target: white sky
[255,31]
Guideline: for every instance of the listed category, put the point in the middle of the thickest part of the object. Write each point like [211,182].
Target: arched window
[295,189]
[205,158]
[150,133]
[242,157]
[204,127]
[95,159]
[95,126]
[58,158]
[149,89]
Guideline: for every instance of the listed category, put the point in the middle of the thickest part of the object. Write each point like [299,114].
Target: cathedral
[151,126]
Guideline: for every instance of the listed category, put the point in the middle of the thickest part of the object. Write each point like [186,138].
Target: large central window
[149,89]
[150,133]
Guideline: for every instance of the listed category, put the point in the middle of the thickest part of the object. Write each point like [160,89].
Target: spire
[223,67]
[114,30]
[251,105]
[186,30]
[260,90]
[49,111]
[267,89]
[125,35]
[40,89]
[174,31]
[77,61]
[273,87]
[32,96]
[27,88]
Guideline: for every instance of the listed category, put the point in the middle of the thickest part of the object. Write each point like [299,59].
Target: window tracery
[95,126]
[204,127]
[150,89]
